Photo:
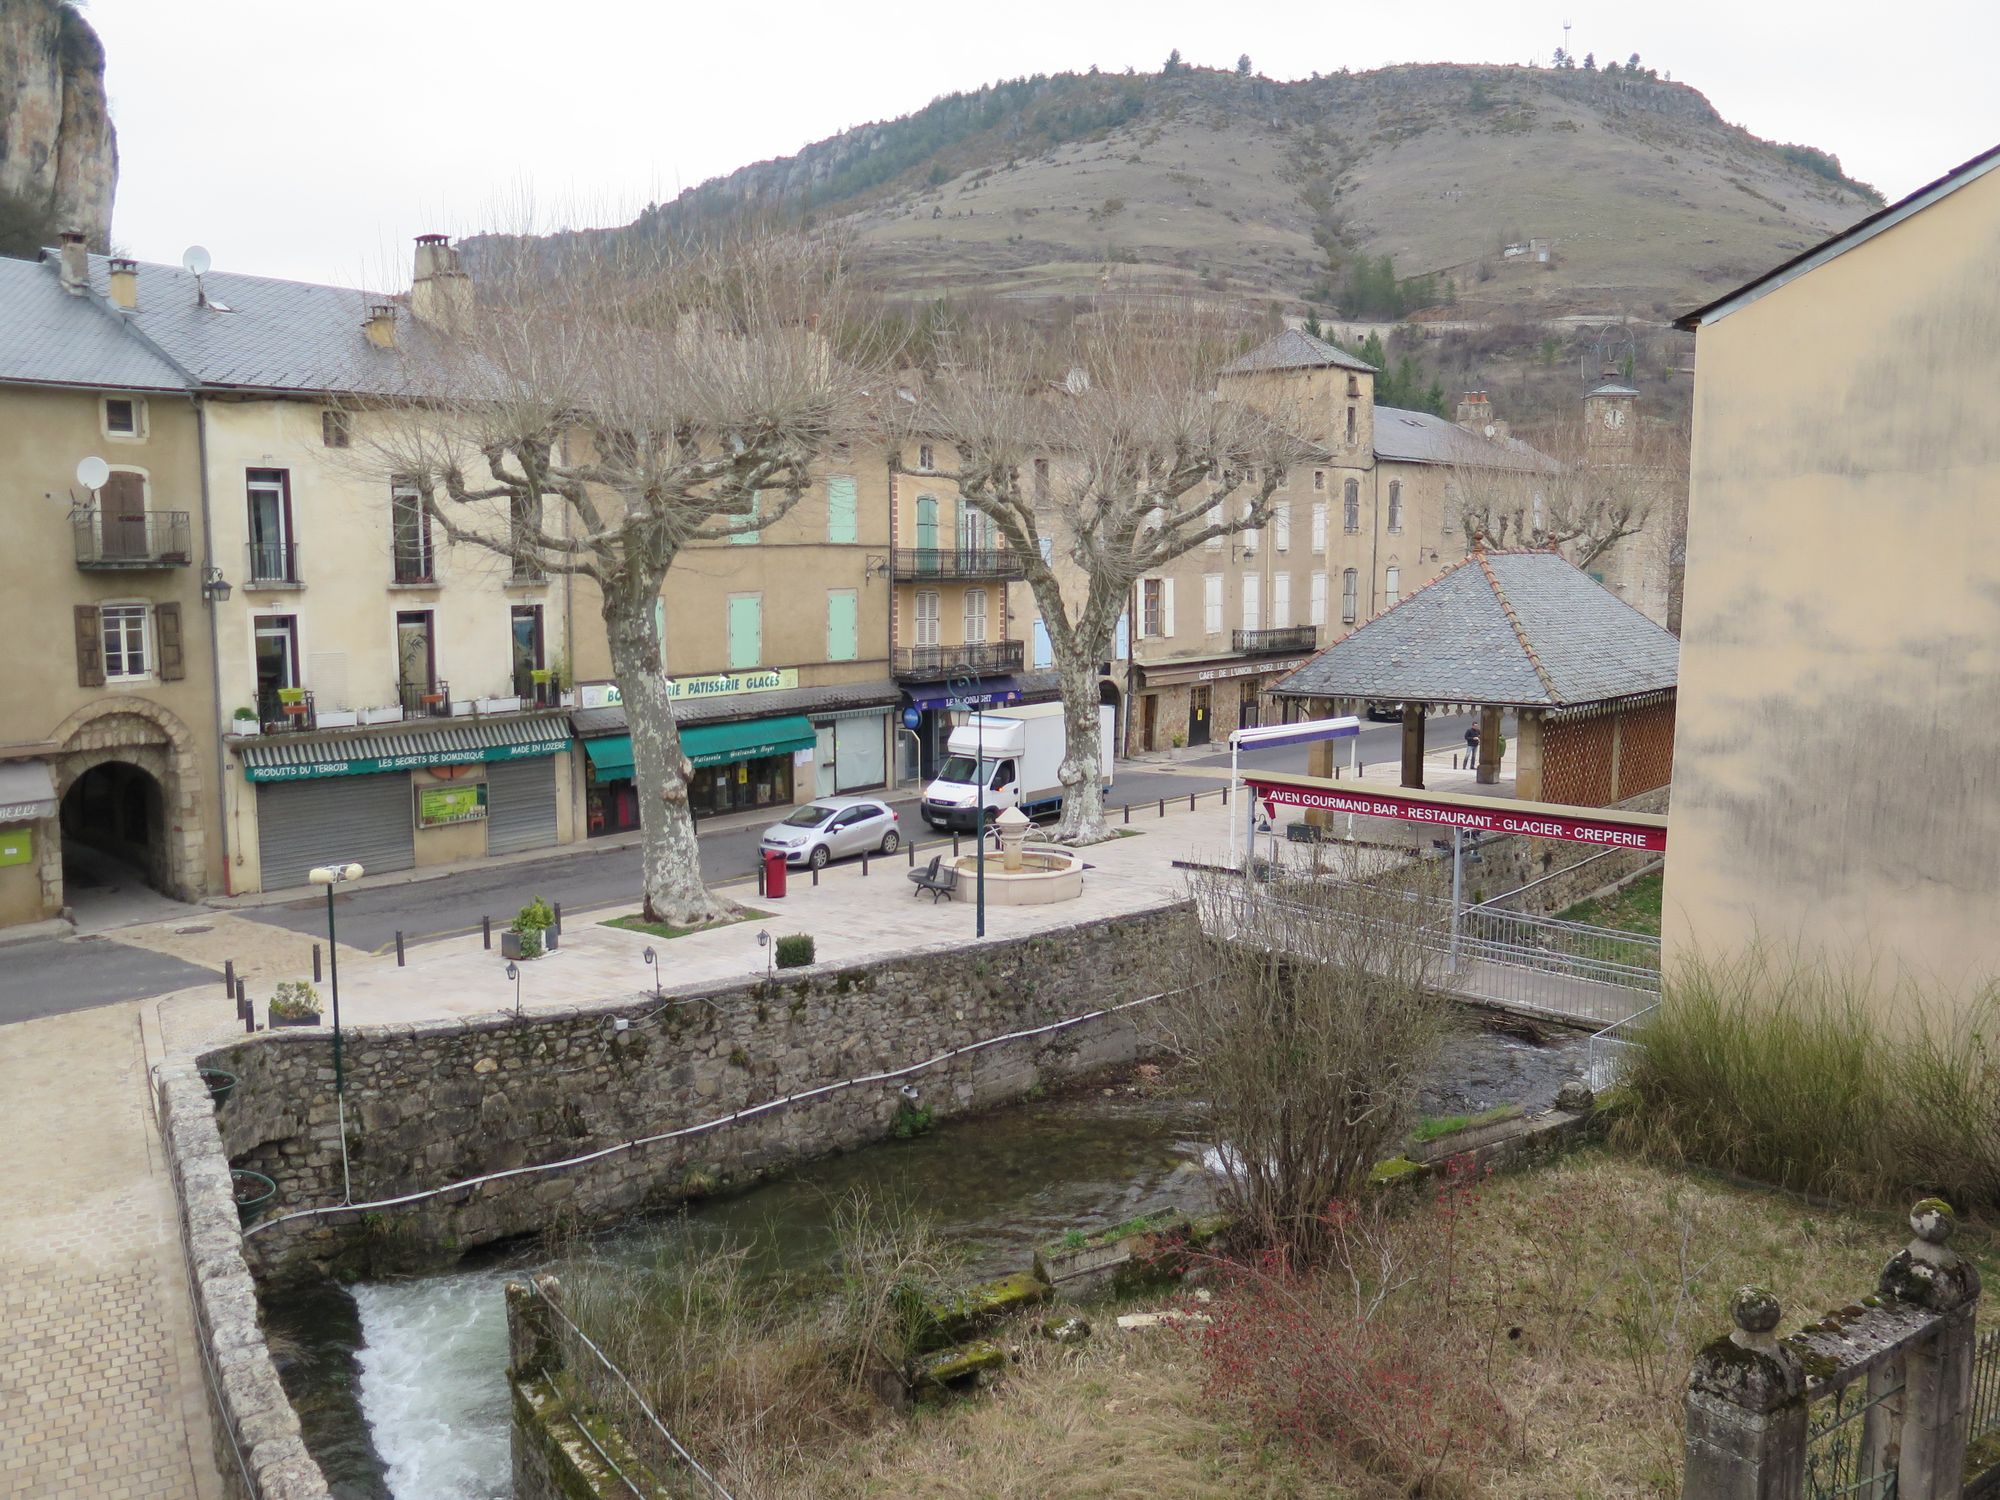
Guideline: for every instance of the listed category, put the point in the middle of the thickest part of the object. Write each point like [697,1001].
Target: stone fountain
[1018,875]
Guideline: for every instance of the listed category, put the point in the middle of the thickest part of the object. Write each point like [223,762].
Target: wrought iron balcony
[273,563]
[949,564]
[414,564]
[1273,642]
[935,663]
[150,539]
[285,710]
[545,693]
[425,700]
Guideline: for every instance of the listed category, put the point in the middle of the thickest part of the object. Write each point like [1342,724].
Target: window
[840,509]
[1152,595]
[273,557]
[924,457]
[1395,506]
[416,649]
[1350,506]
[1347,592]
[1319,479]
[975,617]
[843,625]
[927,531]
[277,645]
[334,431]
[1045,649]
[927,617]
[1047,546]
[1041,481]
[1354,385]
[1319,526]
[749,538]
[525,647]
[1121,645]
[1318,604]
[746,631]
[975,532]
[1281,600]
[125,643]
[1211,604]
[1350,424]
[1281,527]
[124,417]
[1284,479]
[410,535]
[1249,536]
[1253,602]
[1392,586]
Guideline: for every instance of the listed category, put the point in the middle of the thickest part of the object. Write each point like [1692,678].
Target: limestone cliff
[58,151]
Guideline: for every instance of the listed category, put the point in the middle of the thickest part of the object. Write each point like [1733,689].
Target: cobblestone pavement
[100,1395]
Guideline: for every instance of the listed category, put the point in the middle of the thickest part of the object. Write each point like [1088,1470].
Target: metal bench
[934,879]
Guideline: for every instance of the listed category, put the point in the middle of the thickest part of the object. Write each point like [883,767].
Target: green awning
[410,746]
[710,744]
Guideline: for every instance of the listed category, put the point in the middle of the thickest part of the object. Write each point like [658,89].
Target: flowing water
[401,1385]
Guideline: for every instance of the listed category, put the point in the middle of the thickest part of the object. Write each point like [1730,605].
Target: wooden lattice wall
[1601,754]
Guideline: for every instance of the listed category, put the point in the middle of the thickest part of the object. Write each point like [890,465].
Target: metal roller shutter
[369,819]
[858,753]
[520,804]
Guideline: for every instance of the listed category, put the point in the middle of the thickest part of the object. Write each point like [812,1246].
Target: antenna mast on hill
[1565,36]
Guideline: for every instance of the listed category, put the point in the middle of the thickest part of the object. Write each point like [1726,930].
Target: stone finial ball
[1755,1309]
[1932,1220]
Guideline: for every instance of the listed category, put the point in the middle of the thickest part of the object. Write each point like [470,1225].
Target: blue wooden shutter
[1045,651]
[843,622]
[840,524]
[746,631]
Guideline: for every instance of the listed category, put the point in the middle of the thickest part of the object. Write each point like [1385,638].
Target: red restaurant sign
[1482,815]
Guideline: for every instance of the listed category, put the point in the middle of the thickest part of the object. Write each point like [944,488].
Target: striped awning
[404,748]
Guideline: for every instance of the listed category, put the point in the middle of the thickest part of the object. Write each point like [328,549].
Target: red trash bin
[774,873]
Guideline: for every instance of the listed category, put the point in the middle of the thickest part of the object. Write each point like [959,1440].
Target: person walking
[1472,747]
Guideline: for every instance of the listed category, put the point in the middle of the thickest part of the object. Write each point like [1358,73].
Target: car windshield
[959,768]
[809,816]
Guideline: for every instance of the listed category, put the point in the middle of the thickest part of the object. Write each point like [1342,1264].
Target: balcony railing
[949,563]
[533,694]
[274,562]
[152,539]
[935,663]
[415,565]
[425,700]
[285,710]
[1272,642]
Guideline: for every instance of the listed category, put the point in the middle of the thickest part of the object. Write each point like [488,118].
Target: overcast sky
[313,141]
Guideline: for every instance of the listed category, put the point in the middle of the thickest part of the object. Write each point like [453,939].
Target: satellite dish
[196,260]
[92,472]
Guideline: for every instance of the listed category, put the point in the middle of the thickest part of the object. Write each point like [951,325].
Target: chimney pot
[75,263]
[125,283]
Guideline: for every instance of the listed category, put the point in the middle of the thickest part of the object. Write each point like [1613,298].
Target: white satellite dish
[196,260]
[92,472]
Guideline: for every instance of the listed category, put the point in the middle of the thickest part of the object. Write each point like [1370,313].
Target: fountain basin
[1046,875]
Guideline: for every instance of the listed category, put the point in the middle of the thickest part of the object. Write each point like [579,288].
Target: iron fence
[1985,1417]
[1845,1444]
[1605,1058]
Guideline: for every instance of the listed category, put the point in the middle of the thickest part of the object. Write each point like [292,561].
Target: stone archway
[140,735]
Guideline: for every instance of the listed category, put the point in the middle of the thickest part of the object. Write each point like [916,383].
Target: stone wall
[259,1452]
[435,1103]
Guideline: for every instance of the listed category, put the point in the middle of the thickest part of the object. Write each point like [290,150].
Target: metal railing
[1985,1414]
[948,563]
[930,663]
[533,694]
[1282,638]
[415,564]
[425,700]
[286,710]
[1604,1059]
[1843,1461]
[274,562]
[149,539]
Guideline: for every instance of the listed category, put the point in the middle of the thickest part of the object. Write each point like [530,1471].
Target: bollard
[315,963]
[911,850]
[229,976]
[815,870]
[249,1022]
[1128,812]
[486,932]
[1190,801]
[954,836]
[1163,807]
[399,947]
[864,861]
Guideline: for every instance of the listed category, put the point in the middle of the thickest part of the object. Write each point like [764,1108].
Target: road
[55,975]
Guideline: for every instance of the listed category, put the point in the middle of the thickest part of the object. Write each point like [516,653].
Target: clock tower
[1610,418]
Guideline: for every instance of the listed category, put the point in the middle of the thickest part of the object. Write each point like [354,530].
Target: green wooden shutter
[840,523]
[843,625]
[746,631]
[756,510]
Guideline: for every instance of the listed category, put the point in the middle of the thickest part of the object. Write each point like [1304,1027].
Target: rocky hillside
[1245,189]
[58,151]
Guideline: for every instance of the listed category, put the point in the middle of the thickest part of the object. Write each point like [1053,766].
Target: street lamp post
[331,876]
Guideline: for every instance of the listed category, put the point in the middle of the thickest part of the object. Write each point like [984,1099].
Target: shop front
[27,815]
[929,713]
[738,767]
[1200,702]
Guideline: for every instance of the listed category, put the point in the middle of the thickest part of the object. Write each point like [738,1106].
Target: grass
[1431,1127]
[1634,909]
[637,923]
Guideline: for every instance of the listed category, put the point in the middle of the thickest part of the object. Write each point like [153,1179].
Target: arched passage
[114,820]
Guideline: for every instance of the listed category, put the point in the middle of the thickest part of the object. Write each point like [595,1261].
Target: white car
[829,827]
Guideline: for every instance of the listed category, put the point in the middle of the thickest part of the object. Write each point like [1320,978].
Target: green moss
[1395,1169]
[1435,1127]
[957,1366]
[738,1058]
[912,1120]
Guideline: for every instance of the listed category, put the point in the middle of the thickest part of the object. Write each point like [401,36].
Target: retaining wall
[439,1102]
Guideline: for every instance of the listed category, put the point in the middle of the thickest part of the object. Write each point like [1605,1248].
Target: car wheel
[819,857]
[891,841]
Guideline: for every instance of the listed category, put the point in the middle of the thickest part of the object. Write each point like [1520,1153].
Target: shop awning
[27,791]
[982,694]
[442,743]
[709,744]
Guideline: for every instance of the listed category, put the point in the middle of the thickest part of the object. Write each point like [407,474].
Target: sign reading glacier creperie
[1608,829]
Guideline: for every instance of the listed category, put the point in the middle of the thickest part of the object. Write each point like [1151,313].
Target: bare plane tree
[1100,455]
[593,412]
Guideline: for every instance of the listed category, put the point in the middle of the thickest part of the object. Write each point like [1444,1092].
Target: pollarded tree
[1101,455]
[593,410]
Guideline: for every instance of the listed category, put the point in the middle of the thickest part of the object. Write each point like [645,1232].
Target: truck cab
[1007,760]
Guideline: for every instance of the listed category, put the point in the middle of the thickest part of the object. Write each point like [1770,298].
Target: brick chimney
[440,293]
[381,325]
[75,263]
[125,283]
[1475,412]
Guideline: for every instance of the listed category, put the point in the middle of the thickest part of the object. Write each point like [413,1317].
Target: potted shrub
[1179,744]
[532,929]
[795,951]
[244,721]
[294,1003]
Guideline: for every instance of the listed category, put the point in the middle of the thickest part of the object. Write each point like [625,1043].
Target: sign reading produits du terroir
[606,694]
[1477,816]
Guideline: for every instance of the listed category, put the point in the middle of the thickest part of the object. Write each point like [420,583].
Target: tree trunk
[669,858]
[1082,772]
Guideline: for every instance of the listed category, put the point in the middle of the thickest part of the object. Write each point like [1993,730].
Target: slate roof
[1294,350]
[48,337]
[1417,437]
[1520,628]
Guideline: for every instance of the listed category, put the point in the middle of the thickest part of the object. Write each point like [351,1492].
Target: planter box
[277,1022]
[393,714]
[336,718]
[510,943]
[567,698]
[498,705]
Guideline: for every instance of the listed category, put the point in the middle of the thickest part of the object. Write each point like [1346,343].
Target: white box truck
[1022,752]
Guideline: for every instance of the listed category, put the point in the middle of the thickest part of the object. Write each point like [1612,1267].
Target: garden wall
[433,1103]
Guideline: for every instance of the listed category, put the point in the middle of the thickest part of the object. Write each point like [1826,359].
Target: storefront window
[742,785]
